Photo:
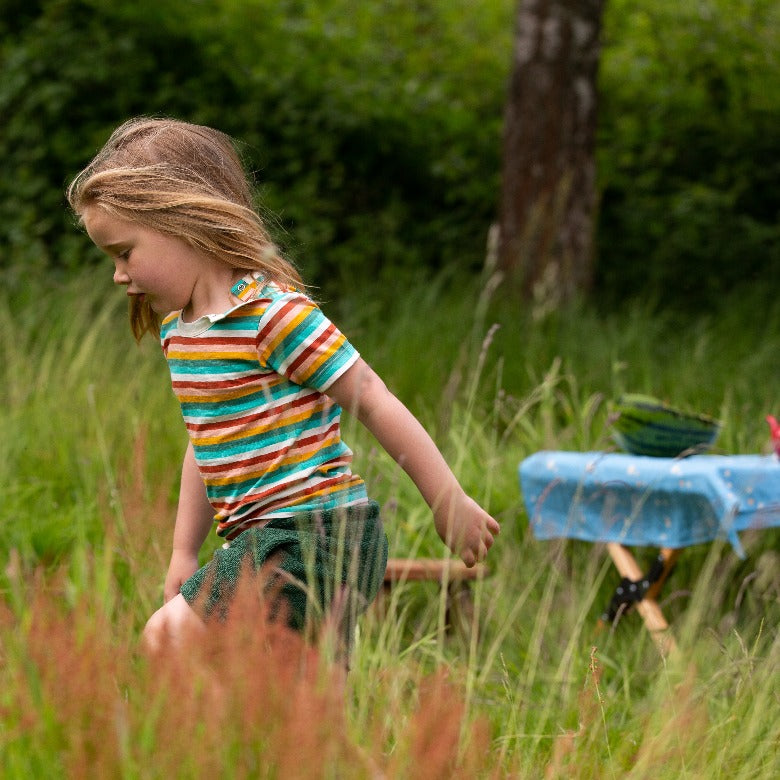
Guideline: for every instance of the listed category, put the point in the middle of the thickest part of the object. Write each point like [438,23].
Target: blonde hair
[185,180]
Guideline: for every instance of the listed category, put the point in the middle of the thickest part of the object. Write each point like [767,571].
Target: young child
[262,376]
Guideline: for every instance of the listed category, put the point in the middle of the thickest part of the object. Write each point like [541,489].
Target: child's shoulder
[270,292]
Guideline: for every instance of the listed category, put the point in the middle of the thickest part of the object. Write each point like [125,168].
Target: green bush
[69,75]
[375,127]
[689,156]
[376,153]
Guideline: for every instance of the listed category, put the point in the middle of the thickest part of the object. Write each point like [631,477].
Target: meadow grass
[91,445]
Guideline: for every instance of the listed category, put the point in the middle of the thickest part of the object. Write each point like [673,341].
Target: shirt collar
[245,289]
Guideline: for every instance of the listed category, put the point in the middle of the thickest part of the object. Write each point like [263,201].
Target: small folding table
[667,503]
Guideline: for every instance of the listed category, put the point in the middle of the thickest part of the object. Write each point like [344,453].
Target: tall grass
[90,451]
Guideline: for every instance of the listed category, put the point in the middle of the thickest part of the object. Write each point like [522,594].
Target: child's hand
[466,528]
[182,566]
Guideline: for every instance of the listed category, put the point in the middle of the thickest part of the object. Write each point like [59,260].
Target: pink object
[774,429]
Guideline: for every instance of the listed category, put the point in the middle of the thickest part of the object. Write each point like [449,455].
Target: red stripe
[193,384]
[311,347]
[235,422]
[215,340]
[273,325]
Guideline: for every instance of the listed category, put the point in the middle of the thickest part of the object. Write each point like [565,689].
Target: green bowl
[646,426]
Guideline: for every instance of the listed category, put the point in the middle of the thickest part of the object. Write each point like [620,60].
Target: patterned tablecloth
[660,502]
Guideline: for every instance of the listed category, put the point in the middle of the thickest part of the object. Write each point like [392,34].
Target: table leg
[669,556]
[648,607]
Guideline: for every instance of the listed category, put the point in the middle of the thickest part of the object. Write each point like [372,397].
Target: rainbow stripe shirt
[251,383]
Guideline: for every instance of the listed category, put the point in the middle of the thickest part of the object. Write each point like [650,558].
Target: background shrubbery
[375,151]
[374,128]
[689,154]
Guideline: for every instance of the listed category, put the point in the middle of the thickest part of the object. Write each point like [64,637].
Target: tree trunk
[548,195]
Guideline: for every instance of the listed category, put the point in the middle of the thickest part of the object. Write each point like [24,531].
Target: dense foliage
[689,154]
[374,128]
[375,152]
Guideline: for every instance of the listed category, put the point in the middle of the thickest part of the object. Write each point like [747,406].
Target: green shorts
[319,552]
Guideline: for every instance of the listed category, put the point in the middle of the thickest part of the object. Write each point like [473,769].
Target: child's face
[159,268]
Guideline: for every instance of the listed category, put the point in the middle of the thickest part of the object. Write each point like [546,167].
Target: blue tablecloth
[661,502]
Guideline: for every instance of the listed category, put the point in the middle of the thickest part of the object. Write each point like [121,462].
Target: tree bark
[548,194]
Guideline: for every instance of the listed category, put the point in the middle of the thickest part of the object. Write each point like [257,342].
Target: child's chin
[156,306]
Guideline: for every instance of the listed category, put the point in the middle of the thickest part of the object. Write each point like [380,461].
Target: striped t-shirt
[251,384]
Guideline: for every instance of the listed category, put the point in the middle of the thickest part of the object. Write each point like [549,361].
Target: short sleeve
[298,341]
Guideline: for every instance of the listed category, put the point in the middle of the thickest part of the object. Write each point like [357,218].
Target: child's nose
[121,276]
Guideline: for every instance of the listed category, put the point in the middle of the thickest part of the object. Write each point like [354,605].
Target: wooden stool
[453,574]
[649,588]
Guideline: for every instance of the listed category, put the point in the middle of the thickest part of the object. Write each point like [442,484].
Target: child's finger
[468,558]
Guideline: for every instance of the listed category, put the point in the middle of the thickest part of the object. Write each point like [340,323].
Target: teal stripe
[240,322]
[256,401]
[249,444]
[330,368]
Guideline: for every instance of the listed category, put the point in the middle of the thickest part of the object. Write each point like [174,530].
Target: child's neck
[211,292]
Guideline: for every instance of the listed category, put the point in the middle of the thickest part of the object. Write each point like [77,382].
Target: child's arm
[194,519]
[461,523]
